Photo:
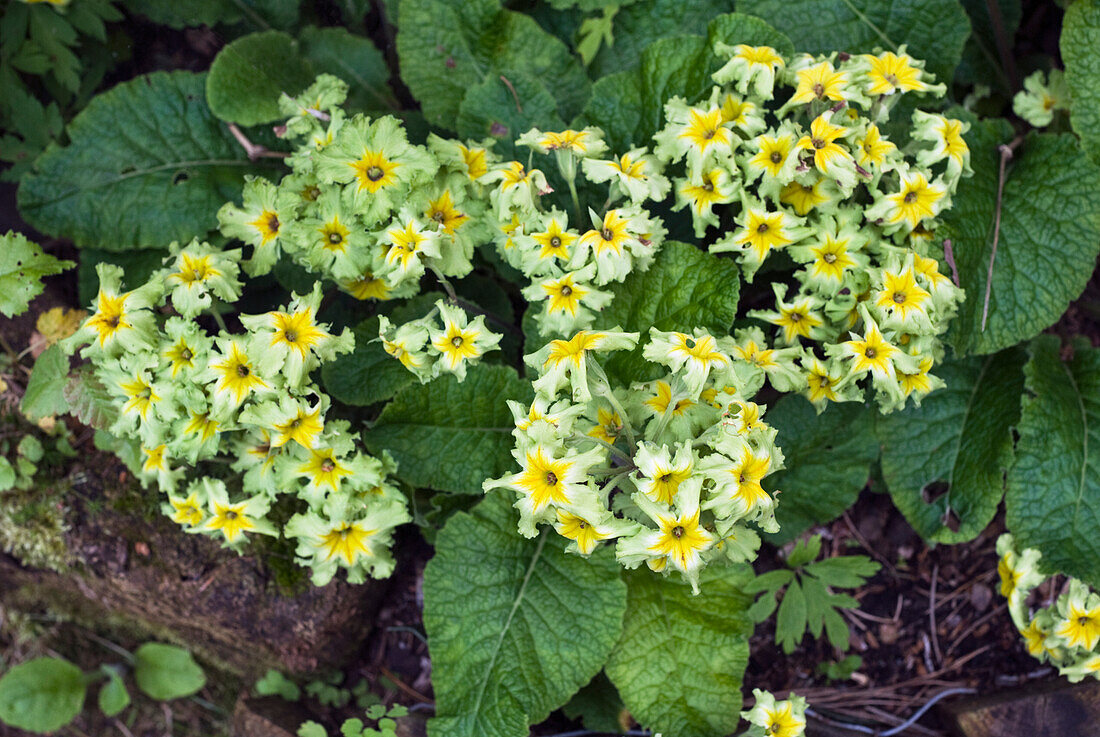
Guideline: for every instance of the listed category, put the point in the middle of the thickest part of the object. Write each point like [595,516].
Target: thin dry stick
[254,150]
[1004,47]
[932,615]
[1006,154]
[403,686]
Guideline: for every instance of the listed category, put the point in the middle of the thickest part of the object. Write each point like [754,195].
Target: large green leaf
[45,393]
[1053,497]
[828,460]
[945,461]
[248,76]
[685,288]
[257,14]
[515,626]
[981,59]
[630,105]
[22,268]
[41,695]
[147,164]
[452,436]
[447,46]
[368,374]
[353,59]
[166,671]
[933,30]
[1079,43]
[1050,235]
[679,663]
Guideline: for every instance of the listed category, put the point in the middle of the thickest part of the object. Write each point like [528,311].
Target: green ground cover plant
[603,298]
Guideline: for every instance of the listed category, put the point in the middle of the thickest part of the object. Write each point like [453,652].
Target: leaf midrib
[1084,444]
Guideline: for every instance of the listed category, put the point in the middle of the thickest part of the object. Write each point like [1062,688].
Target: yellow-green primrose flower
[678,542]
[773,157]
[1085,666]
[889,73]
[946,137]
[289,419]
[659,473]
[233,373]
[563,362]
[260,222]
[916,200]
[544,421]
[232,519]
[407,344]
[548,482]
[184,348]
[471,160]
[517,188]
[375,162]
[583,143]
[744,115]
[409,243]
[343,535]
[778,365]
[120,321]
[637,174]
[808,192]
[289,341]
[701,192]
[798,319]
[1041,97]
[818,81]
[550,245]
[200,272]
[462,341]
[332,237]
[586,532]
[825,383]
[748,67]
[572,302]
[902,302]
[622,240]
[771,718]
[1078,624]
[874,152]
[830,158]
[760,233]
[692,357]
[738,492]
[308,110]
[189,511]
[700,134]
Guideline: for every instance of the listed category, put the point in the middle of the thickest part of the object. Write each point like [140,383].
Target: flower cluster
[443,341]
[227,425]
[813,174]
[670,469]
[1065,633]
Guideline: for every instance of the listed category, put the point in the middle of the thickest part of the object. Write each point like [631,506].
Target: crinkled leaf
[368,374]
[945,461]
[505,107]
[147,164]
[515,626]
[248,76]
[186,13]
[22,268]
[643,23]
[446,47]
[166,672]
[685,288]
[828,457]
[1053,496]
[451,436]
[1079,44]
[88,400]
[354,59]
[41,695]
[45,393]
[1049,240]
[933,30]
[680,661]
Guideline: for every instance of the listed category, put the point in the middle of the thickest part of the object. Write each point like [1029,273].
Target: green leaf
[981,59]
[763,607]
[354,59]
[933,30]
[1053,496]
[846,571]
[7,474]
[1079,42]
[147,164]
[945,461]
[185,13]
[770,581]
[22,267]
[790,621]
[248,76]
[45,393]
[88,400]
[505,107]
[804,551]
[685,288]
[1050,235]
[828,457]
[312,729]
[113,696]
[41,695]
[166,672]
[641,24]
[448,46]
[680,661]
[275,683]
[597,705]
[451,436]
[515,626]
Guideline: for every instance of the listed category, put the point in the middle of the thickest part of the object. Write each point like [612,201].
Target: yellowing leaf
[58,323]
